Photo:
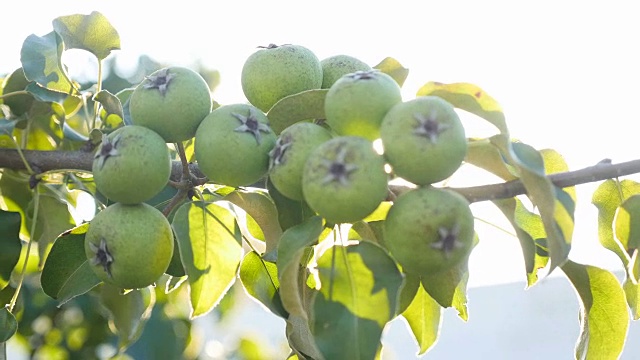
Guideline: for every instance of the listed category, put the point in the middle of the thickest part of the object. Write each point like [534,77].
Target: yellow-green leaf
[393,68]
[604,316]
[424,318]
[92,32]
[210,249]
[530,232]
[258,205]
[470,98]
[359,291]
[607,198]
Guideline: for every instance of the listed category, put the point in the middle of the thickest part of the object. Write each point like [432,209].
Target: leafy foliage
[335,286]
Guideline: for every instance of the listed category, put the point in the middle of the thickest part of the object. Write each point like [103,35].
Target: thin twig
[82,161]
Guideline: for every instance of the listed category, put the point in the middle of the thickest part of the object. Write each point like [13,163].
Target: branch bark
[69,160]
[82,161]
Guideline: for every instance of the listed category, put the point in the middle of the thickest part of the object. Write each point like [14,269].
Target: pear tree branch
[82,161]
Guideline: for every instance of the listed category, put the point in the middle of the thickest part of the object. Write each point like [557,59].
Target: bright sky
[564,72]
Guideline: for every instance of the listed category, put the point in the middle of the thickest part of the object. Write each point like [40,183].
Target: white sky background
[565,73]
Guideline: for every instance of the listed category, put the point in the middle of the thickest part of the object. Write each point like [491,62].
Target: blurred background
[566,75]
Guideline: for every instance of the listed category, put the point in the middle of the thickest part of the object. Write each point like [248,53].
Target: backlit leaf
[393,68]
[607,198]
[470,98]
[556,211]
[424,318]
[604,316]
[112,112]
[261,208]
[210,249]
[360,287]
[91,32]
[485,155]
[530,232]
[260,279]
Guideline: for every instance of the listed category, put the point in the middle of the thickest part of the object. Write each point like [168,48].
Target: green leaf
[112,113]
[41,61]
[18,103]
[10,245]
[163,337]
[359,295]
[607,198]
[371,231]
[393,68]
[53,219]
[632,293]
[6,133]
[449,287]
[290,212]
[300,338]
[486,155]
[91,32]
[67,273]
[72,135]
[8,325]
[46,95]
[260,279]
[261,208]
[604,316]
[530,232]
[16,195]
[209,240]
[555,212]
[128,312]
[175,269]
[291,248]
[626,226]
[424,318]
[305,105]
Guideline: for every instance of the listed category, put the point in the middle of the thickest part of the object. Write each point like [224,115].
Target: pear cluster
[333,166]
[130,243]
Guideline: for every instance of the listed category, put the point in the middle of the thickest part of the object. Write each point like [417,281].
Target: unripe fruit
[274,72]
[357,103]
[129,246]
[428,230]
[131,165]
[172,102]
[423,140]
[290,153]
[344,179]
[233,143]
[334,67]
